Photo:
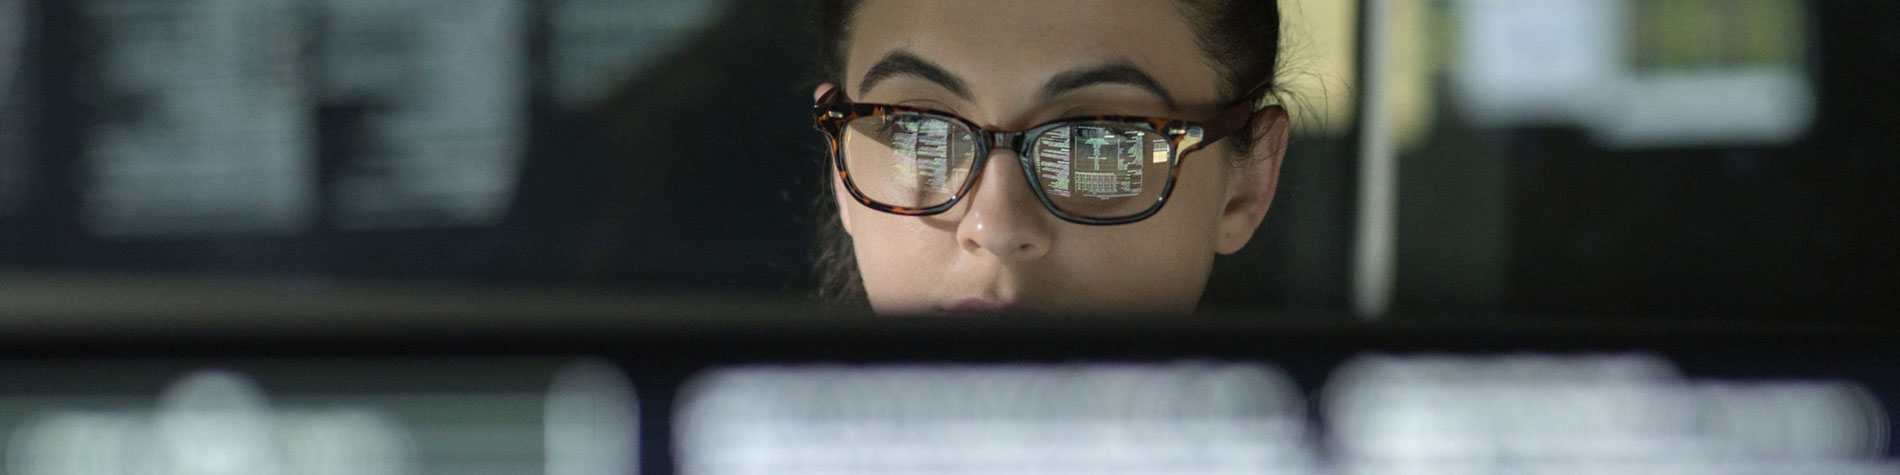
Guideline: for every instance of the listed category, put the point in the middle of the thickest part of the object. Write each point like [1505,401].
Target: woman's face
[1009,65]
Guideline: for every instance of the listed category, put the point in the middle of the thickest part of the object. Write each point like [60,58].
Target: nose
[1004,217]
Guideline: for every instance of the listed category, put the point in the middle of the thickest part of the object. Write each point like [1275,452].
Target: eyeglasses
[1095,170]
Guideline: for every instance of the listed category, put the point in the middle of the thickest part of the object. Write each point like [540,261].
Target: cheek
[1193,213]
[891,250]
[1159,267]
[1165,259]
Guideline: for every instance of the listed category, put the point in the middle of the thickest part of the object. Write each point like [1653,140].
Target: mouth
[978,304]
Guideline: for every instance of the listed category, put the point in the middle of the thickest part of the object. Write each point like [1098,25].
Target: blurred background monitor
[1666,158]
[769,392]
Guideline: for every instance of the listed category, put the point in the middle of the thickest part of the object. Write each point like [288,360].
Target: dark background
[698,175]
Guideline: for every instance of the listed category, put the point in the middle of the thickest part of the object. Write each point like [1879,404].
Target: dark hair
[1240,38]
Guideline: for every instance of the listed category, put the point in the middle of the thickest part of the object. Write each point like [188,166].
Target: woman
[1063,156]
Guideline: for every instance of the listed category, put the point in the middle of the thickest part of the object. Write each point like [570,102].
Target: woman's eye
[908,125]
[887,129]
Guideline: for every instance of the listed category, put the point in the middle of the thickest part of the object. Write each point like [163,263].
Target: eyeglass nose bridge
[1004,140]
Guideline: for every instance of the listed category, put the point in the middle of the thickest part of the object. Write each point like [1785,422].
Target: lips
[978,304]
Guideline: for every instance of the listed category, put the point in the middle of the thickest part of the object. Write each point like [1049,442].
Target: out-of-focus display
[16,163]
[1666,158]
[1172,418]
[1524,414]
[211,109]
[428,101]
[598,44]
[368,417]
[1639,73]
[12,42]
[219,117]
[203,120]
[492,139]
[1593,414]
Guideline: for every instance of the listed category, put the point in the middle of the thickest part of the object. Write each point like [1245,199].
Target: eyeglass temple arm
[824,103]
[1236,116]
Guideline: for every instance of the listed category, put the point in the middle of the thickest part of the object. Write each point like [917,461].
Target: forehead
[1013,45]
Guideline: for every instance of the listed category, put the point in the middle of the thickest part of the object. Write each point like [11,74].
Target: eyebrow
[1117,73]
[902,62]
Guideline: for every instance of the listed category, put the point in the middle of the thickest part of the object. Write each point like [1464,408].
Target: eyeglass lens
[1087,169]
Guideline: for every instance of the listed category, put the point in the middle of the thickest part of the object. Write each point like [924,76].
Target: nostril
[1000,246]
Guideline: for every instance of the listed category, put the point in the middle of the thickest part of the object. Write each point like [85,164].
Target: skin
[999,249]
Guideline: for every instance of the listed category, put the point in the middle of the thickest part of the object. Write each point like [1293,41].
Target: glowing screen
[1091,161]
[922,149]
[1189,417]
[1379,414]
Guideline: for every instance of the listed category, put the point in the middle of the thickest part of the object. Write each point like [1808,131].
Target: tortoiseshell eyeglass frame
[834,110]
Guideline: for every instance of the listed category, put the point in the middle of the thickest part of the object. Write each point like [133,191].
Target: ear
[838,193]
[1250,192]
